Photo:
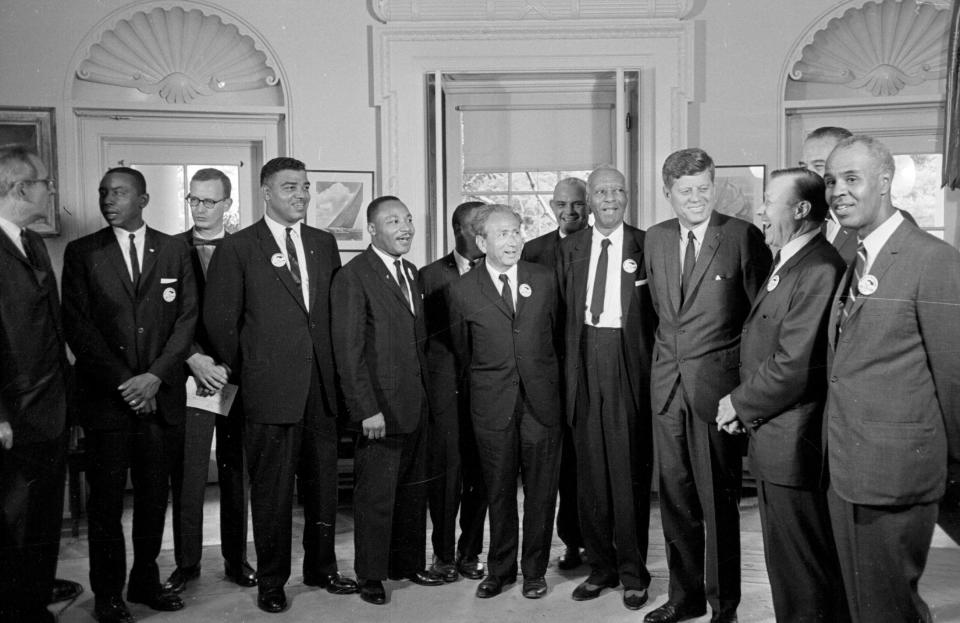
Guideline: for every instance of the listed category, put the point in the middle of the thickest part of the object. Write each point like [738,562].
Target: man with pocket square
[705,269]
[129,311]
[609,325]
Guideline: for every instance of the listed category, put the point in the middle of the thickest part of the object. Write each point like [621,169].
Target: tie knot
[605,243]
[133,237]
[397,264]
[691,237]
[504,278]
[289,230]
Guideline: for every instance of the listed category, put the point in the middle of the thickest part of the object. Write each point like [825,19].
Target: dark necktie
[689,262]
[134,260]
[293,261]
[402,281]
[773,267]
[599,282]
[28,249]
[506,293]
[854,290]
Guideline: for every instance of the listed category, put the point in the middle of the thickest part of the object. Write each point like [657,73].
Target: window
[916,189]
[527,192]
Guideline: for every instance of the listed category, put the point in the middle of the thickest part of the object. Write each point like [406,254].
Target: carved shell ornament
[179,55]
[881,47]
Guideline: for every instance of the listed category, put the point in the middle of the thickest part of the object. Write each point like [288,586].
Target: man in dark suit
[609,326]
[208,199]
[779,401]
[266,311]
[893,395]
[33,402]
[379,336]
[569,205]
[129,312]
[816,148]
[705,270]
[505,332]
[453,466]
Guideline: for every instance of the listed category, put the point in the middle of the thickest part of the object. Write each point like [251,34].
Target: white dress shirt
[123,239]
[699,233]
[511,274]
[833,226]
[793,247]
[388,261]
[279,232]
[463,264]
[610,318]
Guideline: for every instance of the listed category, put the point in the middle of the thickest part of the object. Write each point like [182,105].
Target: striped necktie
[854,290]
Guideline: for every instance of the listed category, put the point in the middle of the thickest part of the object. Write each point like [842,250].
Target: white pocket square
[639,282]
[168,280]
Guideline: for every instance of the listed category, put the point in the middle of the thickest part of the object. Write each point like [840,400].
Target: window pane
[480,182]
[916,188]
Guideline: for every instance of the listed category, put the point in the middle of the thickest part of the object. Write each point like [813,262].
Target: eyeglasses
[209,204]
[50,183]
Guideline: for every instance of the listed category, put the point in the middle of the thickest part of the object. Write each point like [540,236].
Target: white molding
[394,11]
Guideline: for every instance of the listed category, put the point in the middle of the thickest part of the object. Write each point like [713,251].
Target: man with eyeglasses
[129,313]
[209,198]
[33,404]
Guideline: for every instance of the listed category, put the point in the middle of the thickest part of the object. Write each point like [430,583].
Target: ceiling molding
[391,11]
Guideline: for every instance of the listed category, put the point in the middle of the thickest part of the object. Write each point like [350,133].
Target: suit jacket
[783,373]
[379,344]
[32,356]
[893,400]
[638,322]
[699,342]
[258,325]
[846,244]
[201,343]
[542,249]
[441,364]
[116,332]
[502,353]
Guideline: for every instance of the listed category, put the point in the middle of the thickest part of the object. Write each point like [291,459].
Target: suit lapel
[489,290]
[312,262]
[884,260]
[269,249]
[151,248]
[523,277]
[708,249]
[631,252]
[672,268]
[112,255]
[581,270]
[390,281]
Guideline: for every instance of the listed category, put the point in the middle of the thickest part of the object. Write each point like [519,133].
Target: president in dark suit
[609,327]
[33,403]
[129,312]
[705,270]
[379,336]
[893,394]
[569,205]
[505,332]
[779,401]
[267,315]
[208,199]
[453,467]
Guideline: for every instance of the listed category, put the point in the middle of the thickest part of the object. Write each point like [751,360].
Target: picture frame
[339,200]
[35,127]
[739,190]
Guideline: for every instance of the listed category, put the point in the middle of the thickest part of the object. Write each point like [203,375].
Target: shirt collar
[700,231]
[511,274]
[216,236]
[12,230]
[879,236]
[463,264]
[123,236]
[615,237]
[792,247]
[278,228]
[386,258]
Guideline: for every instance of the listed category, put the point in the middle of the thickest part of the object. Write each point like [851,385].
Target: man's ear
[801,210]
[481,243]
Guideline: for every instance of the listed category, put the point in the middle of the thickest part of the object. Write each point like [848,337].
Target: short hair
[276,165]
[210,174]
[374,206]
[15,166]
[463,215]
[831,131]
[138,179]
[576,182]
[879,152]
[807,186]
[691,161]
[483,214]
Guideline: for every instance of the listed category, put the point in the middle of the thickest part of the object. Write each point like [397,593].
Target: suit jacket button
[517,331]
[833,379]
[140,330]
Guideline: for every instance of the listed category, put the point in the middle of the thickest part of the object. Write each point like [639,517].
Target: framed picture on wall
[340,201]
[34,127]
[739,190]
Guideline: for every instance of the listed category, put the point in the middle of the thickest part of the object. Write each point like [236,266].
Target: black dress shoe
[534,588]
[242,574]
[272,600]
[593,586]
[371,591]
[179,578]
[471,567]
[333,582]
[425,577]
[112,610]
[569,559]
[634,598]
[157,599]
[64,590]
[492,586]
[446,570]
[673,611]
[725,616]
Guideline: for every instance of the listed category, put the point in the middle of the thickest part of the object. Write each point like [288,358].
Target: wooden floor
[211,599]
